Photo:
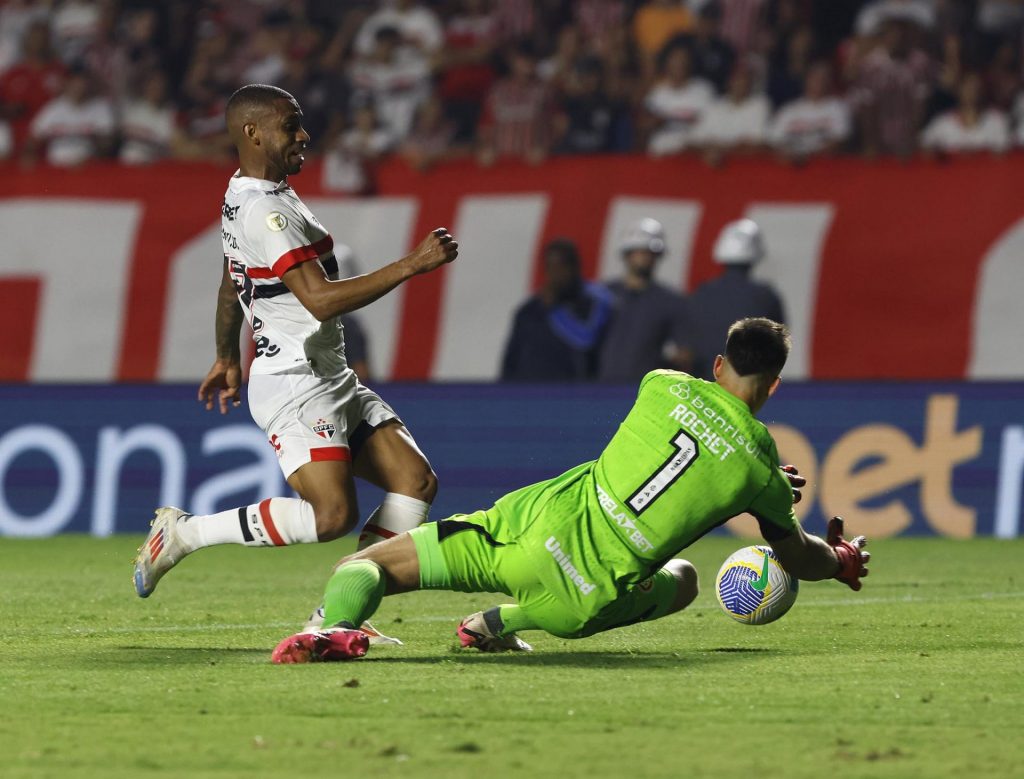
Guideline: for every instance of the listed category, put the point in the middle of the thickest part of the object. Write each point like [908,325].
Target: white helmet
[645,234]
[739,243]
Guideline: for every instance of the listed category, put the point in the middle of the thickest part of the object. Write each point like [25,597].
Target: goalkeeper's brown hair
[757,346]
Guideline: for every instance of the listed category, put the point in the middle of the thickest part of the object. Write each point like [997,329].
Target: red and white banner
[886,269]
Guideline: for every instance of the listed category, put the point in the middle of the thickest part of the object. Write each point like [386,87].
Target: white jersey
[266,230]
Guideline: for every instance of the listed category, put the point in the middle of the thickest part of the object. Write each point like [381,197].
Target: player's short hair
[757,345]
[254,97]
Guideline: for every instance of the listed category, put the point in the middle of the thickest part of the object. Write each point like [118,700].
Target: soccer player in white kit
[280,273]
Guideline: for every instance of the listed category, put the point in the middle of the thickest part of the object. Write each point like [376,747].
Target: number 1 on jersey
[674,467]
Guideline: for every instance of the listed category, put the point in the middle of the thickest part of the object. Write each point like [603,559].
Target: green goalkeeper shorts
[475,553]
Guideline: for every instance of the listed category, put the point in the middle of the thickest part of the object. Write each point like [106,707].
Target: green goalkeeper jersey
[688,456]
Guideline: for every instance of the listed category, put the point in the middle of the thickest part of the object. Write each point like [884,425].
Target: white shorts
[310,419]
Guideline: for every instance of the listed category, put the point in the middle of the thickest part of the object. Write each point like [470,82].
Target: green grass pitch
[919,675]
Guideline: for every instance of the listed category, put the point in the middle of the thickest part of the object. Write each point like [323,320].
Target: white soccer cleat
[160,552]
[376,637]
[315,624]
[481,631]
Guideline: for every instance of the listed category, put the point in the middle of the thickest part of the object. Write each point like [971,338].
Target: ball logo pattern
[753,588]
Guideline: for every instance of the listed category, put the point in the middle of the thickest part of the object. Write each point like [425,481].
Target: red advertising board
[887,269]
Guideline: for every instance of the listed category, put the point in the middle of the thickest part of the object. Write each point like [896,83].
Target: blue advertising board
[892,458]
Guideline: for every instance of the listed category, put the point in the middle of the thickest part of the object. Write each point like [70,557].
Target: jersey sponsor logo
[229,212]
[324,429]
[277,221]
[565,563]
[229,240]
[620,518]
[712,429]
[265,348]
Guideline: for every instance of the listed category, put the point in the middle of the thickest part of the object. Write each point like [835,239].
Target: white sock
[396,514]
[272,522]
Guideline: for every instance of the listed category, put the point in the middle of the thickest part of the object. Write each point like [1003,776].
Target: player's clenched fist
[438,248]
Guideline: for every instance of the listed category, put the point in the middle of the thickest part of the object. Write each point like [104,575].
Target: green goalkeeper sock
[353,593]
[514,619]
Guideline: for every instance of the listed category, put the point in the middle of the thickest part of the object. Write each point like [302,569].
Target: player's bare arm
[224,380]
[324,298]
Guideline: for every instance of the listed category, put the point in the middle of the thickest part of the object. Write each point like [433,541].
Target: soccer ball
[753,588]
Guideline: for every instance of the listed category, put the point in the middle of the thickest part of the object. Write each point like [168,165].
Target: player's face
[284,138]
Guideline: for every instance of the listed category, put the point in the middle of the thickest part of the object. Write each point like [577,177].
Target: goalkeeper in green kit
[593,549]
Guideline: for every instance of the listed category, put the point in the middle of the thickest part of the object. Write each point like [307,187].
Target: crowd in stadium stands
[141,80]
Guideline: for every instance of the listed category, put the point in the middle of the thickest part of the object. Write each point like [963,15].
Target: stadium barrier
[893,458]
[887,269]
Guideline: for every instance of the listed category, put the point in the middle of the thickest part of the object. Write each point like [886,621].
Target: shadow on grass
[138,655]
[133,655]
[583,659]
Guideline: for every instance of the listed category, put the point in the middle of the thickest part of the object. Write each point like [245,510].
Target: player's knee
[334,519]
[687,586]
[420,484]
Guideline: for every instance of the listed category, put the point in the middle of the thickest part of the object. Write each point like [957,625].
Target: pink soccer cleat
[323,646]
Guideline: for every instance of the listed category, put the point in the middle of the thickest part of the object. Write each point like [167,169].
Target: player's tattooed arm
[325,299]
[224,380]
[228,324]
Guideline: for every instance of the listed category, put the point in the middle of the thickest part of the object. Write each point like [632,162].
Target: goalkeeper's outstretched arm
[809,557]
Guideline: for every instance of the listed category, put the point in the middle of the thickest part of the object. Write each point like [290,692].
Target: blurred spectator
[16,17]
[210,78]
[557,69]
[736,122]
[712,57]
[818,123]
[556,334]
[1018,118]
[349,165]
[516,19]
[676,103]
[650,327]
[418,27]
[600,22]
[892,84]
[6,140]
[874,16]
[655,23]
[1000,18]
[75,127]
[432,138]
[266,56]
[30,84]
[516,113]
[589,121]
[742,23]
[971,127]
[148,124]
[717,303]
[76,24]
[788,70]
[395,77]
[465,63]
[1003,76]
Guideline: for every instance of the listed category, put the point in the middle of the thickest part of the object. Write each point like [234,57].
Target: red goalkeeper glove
[852,558]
